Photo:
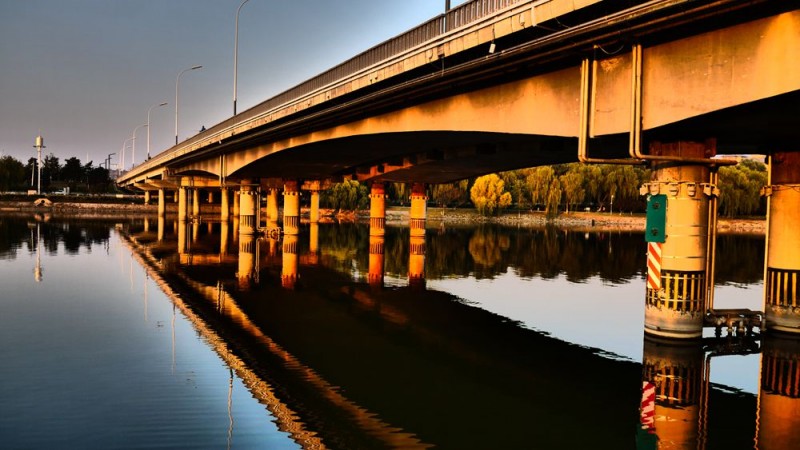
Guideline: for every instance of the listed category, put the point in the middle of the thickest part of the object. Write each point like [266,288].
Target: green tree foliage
[538,184]
[740,187]
[73,171]
[488,195]
[349,195]
[553,198]
[572,185]
[12,174]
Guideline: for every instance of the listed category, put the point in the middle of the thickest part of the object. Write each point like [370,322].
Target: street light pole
[148,126]
[122,153]
[236,55]
[133,155]
[177,82]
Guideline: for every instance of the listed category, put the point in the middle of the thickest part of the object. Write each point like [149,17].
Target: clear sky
[85,72]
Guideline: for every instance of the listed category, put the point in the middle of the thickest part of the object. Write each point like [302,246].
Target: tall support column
[290,261]
[162,203]
[779,396]
[313,213]
[236,207]
[146,197]
[247,273]
[224,206]
[672,385]
[248,204]
[210,197]
[419,209]
[183,205]
[676,285]
[176,196]
[782,283]
[377,209]
[291,208]
[195,202]
[376,261]
[272,207]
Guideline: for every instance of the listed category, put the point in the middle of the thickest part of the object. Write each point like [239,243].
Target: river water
[132,333]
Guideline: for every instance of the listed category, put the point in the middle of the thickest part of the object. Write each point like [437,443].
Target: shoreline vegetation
[397,215]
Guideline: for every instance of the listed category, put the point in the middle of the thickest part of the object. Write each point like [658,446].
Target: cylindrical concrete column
[146,197]
[782,290]
[376,261]
[195,202]
[671,383]
[676,308]
[211,197]
[236,207]
[247,272]
[779,412]
[419,209]
[248,202]
[272,206]
[224,206]
[176,196]
[291,208]
[290,261]
[183,205]
[416,262]
[162,203]
[377,209]
[313,213]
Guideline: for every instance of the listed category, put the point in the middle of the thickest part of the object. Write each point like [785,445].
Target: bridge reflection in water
[354,357]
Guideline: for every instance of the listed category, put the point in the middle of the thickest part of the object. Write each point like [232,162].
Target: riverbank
[582,221]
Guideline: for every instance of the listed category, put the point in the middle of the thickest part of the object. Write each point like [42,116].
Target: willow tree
[572,184]
[488,195]
[538,184]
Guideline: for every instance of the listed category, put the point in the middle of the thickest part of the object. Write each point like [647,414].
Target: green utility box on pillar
[655,230]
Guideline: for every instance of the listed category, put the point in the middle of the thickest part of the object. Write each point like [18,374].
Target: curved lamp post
[177,82]
[133,137]
[148,125]
[236,54]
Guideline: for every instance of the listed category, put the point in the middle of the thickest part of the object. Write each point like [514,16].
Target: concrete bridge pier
[377,209]
[376,260]
[272,207]
[224,205]
[419,210]
[183,206]
[291,208]
[313,213]
[236,208]
[195,202]
[146,197]
[290,261]
[247,272]
[210,197]
[672,385]
[782,282]
[779,394]
[162,203]
[676,285]
[248,208]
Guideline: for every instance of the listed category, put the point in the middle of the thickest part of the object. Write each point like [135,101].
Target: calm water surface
[135,334]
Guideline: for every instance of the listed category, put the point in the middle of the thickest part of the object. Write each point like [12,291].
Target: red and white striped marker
[648,414]
[654,265]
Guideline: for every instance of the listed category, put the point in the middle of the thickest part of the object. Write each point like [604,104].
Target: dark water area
[140,334]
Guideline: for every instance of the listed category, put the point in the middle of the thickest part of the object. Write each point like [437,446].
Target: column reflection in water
[161,225]
[146,225]
[671,395]
[290,261]
[224,229]
[313,243]
[183,245]
[195,230]
[247,273]
[779,397]
[376,261]
[416,262]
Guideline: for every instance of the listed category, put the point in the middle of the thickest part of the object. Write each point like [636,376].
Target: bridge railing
[454,19]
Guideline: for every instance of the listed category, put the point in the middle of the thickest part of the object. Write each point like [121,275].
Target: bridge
[503,84]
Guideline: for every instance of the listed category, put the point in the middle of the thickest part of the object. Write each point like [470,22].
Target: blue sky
[85,72]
